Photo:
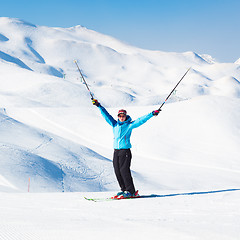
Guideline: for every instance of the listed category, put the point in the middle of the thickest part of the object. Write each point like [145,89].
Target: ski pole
[174,89]
[84,80]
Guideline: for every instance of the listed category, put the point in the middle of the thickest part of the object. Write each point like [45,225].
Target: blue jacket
[122,130]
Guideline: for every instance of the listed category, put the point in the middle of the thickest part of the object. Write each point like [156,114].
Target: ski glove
[156,112]
[95,102]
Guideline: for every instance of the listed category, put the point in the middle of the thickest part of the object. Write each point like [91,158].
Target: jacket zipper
[119,137]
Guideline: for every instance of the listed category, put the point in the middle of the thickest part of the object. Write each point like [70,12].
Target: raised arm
[140,121]
[109,119]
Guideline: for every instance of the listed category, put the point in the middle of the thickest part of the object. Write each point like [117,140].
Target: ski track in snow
[58,126]
[8,232]
[197,215]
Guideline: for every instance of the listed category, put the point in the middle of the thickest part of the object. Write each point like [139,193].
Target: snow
[238,61]
[51,135]
[69,216]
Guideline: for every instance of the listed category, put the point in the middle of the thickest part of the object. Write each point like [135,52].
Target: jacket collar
[128,119]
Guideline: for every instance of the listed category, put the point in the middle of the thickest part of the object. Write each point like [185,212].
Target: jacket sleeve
[140,121]
[110,120]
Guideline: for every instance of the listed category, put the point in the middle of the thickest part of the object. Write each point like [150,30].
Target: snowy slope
[128,74]
[51,163]
[59,216]
[51,134]
[188,148]
[238,61]
[40,87]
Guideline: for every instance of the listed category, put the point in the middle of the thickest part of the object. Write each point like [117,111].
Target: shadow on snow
[190,193]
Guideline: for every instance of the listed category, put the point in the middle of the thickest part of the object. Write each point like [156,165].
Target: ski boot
[117,195]
[127,194]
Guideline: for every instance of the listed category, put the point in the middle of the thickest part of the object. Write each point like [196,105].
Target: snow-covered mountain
[51,133]
[53,140]
[238,61]
[127,74]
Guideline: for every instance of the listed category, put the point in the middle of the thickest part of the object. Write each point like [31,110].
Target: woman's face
[122,117]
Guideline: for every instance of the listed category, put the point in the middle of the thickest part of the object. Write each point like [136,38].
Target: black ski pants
[121,163]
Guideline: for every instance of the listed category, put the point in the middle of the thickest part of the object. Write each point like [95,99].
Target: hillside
[51,133]
[55,144]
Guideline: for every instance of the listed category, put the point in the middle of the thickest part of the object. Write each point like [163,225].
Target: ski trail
[59,129]
[44,143]
[10,232]
[192,165]
[6,183]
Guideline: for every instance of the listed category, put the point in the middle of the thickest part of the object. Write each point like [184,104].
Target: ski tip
[90,199]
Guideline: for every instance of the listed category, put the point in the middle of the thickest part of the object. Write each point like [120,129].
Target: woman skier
[122,156]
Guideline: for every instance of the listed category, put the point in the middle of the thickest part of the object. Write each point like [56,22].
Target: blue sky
[203,26]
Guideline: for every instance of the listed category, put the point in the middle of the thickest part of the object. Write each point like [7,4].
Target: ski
[98,199]
[108,199]
[117,199]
